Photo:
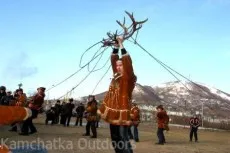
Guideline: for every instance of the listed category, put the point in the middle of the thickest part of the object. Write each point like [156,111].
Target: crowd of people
[19,99]
[62,114]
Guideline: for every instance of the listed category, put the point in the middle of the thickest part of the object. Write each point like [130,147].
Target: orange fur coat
[12,114]
[116,106]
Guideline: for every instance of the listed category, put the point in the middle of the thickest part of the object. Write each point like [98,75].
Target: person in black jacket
[2,94]
[8,99]
[50,115]
[58,108]
[67,112]
[80,110]
[63,116]
[194,124]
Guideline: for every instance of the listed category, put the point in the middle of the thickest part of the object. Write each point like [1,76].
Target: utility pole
[202,114]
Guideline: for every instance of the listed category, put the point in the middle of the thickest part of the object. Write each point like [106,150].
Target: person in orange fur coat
[20,101]
[91,117]
[14,114]
[115,109]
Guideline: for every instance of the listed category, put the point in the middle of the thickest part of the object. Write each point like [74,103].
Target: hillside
[184,97]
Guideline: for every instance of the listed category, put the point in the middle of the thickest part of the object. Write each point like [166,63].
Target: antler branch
[127,33]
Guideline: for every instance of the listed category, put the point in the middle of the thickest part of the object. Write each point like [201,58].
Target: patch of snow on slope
[216,91]
[138,90]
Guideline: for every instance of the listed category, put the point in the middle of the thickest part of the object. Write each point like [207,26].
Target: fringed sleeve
[128,71]
[127,63]
[11,114]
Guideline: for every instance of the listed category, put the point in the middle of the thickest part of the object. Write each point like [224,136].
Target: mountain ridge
[187,97]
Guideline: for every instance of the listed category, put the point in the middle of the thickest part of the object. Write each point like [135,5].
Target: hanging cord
[80,67]
[83,78]
[97,62]
[88,49]
[162,64]
[100,79]
[135,42]
[168,68]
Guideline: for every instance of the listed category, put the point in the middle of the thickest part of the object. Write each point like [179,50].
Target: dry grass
[177,140]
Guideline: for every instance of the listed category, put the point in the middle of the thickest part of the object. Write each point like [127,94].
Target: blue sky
[41,41]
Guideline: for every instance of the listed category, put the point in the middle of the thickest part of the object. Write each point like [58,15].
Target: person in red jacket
[161,120]
[35,105]
[135,116]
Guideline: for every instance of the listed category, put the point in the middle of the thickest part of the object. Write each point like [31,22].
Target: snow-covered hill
[187,97]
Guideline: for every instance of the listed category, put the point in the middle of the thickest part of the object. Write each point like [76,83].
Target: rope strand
[83,78]
[81,67]
[168,68]
[101,79]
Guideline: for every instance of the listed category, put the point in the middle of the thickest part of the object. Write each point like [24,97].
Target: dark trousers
[47,120]
[92,125]
[133,133]
[160,135]
[65,119]
[28,124]
[193,131]
[97,124]
[68,118]
[130,133]
[120,139]
[79,119]
[56,121]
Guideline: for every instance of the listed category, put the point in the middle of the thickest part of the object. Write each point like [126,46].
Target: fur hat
[8,91]
[92,96]
[160,107]
[42,88]
[20,89]
[3,88]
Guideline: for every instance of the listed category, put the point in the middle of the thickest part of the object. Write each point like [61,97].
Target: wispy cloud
[18,68]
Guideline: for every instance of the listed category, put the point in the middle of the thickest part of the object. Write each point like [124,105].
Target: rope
[88,63]
[84,77]
[100,79]
[81,67]
[98,68]
[168,68]
[161,63]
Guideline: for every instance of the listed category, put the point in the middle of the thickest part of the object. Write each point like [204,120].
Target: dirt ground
[59,139]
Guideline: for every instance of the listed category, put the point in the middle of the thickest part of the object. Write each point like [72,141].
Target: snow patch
[181,88]
[138,90]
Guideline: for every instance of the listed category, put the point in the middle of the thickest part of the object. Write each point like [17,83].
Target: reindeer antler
[127,33]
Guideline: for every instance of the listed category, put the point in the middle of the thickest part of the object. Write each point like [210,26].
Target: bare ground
[59,139]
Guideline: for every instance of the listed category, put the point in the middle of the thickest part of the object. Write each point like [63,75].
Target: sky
[42,41]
